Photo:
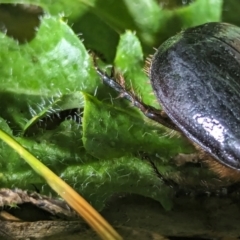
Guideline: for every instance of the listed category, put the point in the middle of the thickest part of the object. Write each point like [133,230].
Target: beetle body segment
[196,78]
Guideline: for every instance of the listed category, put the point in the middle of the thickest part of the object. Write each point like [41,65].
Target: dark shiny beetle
[196,78]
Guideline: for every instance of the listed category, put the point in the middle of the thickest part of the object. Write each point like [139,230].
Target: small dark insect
[196,78]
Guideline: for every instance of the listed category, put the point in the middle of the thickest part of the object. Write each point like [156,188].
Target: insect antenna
[149,111]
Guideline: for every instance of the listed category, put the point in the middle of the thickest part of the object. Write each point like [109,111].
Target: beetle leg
[149,111]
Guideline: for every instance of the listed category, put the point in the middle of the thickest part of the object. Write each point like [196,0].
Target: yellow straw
[79,204]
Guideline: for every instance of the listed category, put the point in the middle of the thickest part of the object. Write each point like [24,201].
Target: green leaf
[95,180]
[199,12]
[231,11]
[65,102]
[37,74]
[55,8]
[129,53]
[107,20]
[152,23]
[100,180]
[58,149]
[110,132]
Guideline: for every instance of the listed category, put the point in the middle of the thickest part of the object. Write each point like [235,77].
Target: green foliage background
[47,69]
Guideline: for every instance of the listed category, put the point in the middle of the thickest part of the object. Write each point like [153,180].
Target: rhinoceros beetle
[196,78]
